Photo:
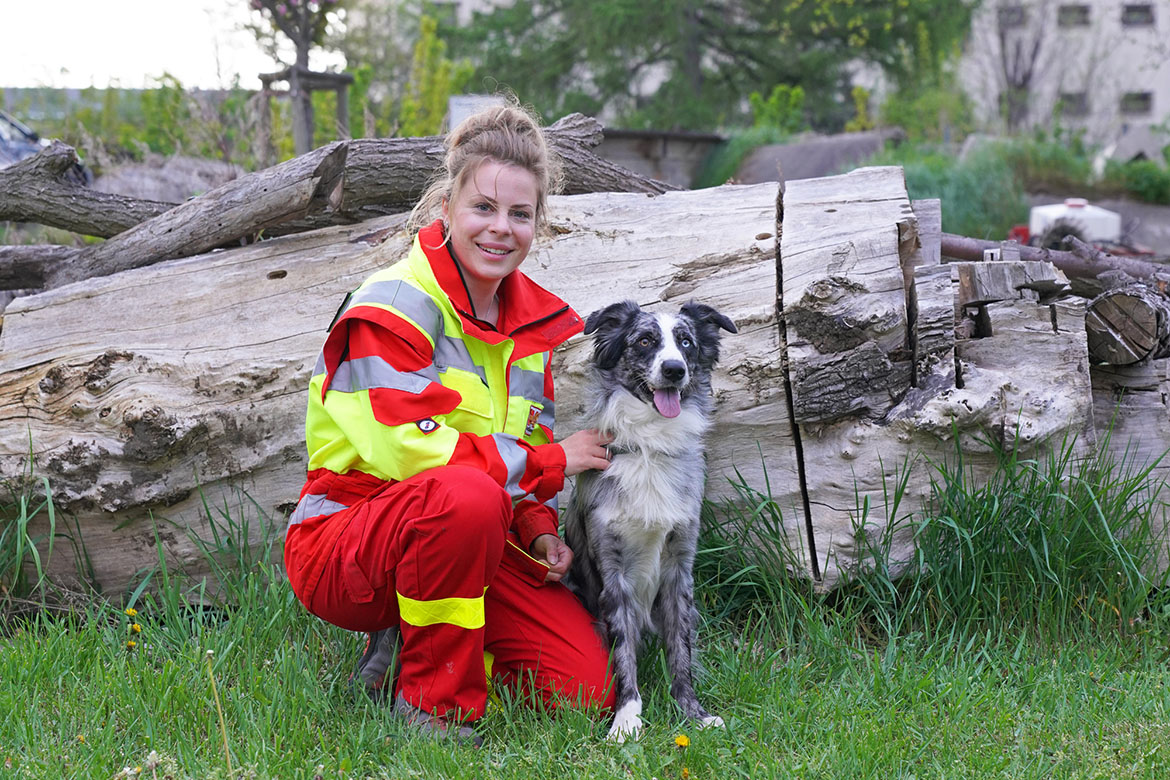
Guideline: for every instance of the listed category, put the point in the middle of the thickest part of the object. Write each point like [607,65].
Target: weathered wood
[133,410]
[1004,280]
[37,190]
[29,267]
[240,207]
[1128,324]
[1090,270]
[929,214]
[844,296]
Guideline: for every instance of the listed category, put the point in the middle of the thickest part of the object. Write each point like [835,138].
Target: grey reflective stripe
[320,367]
[548,415]
[406,298]
[552,503]
[364,373]
[529,384]
[515,458]
[452,353]
[313,505]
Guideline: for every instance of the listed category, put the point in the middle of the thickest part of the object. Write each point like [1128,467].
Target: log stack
[161,398]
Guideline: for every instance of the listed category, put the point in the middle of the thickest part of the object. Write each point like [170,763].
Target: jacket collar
[526,308]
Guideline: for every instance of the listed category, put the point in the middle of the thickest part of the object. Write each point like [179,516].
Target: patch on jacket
[428,425]
[533,416]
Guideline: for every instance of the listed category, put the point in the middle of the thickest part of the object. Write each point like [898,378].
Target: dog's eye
[644,341]
[684,342]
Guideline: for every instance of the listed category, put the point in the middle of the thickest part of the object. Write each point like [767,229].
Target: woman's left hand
[552,550]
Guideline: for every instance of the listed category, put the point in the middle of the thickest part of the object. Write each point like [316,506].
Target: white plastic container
[1091,223]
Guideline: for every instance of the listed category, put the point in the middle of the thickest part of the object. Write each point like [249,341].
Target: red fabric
[442,534]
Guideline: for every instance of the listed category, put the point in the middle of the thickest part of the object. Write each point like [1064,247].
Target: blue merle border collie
[634,527]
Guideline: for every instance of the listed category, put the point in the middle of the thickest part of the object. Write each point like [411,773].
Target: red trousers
[428,555]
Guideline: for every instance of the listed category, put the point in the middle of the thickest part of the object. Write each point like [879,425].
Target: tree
[433,79]
[303,23]
[688,64]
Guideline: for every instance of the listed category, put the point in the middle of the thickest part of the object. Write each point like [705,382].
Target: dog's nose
[674,370]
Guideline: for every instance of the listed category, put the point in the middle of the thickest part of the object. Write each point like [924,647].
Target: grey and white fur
[634,527]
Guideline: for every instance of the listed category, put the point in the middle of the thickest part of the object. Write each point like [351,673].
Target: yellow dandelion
[131,612]
[682,740]
[686,773]
[81,738]
[136,628]
[131,644]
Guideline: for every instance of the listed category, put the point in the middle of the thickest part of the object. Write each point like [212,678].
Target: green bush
[1143,179]
[981,195]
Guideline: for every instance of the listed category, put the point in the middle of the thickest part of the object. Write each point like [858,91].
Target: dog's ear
[608,324]
[708,322]
[703,314]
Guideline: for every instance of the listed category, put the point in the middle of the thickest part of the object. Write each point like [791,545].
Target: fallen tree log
[37,190]
[142,417]
[382,176]
[136,413]
[1089,270]
[1128,325]
[244,206]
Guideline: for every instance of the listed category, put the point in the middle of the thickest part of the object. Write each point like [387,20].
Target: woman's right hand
[585,450]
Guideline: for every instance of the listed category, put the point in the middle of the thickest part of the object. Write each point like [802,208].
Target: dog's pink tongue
[667,403]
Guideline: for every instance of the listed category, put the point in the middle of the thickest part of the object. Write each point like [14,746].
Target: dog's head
[660,358]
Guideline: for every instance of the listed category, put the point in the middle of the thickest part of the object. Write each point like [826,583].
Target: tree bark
[1090,270]
[1128,325]
[36,190]
[382,176]
[241,207]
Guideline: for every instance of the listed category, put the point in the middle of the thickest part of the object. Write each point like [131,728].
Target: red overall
[439,550]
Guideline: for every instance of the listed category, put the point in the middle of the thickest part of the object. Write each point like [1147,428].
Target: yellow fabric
[465,613]
[342,434]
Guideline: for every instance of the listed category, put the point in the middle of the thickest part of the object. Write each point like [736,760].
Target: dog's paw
[630,729]
[710,722]
[627,722]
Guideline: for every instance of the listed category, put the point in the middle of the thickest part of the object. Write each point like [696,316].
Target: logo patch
[533,416]
[427,426]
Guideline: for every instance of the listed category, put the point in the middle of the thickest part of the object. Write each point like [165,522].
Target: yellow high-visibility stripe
[465,613]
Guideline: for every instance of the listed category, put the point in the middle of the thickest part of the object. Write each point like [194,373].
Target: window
[1011,15]
[1137,15]
[1074,104]
[1137,103]
[1072,16]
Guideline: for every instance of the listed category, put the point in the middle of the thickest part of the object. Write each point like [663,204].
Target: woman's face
[491,221]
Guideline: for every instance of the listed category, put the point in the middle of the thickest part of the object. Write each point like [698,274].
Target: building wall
[1101,66]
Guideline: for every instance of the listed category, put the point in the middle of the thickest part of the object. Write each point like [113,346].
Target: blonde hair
[508,135]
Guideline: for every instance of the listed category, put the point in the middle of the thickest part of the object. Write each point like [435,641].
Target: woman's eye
[522,215]
[482,207]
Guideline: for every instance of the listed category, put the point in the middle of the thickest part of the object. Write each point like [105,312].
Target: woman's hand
[585,450]
[553,551]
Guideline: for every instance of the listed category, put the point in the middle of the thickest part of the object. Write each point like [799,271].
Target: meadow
[1028,638]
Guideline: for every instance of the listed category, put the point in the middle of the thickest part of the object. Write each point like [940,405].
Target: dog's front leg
[675,618]
[624,632]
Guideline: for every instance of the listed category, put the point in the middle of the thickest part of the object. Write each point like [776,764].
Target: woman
[430,504]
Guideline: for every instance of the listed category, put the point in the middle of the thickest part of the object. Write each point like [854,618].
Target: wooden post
[1128,325]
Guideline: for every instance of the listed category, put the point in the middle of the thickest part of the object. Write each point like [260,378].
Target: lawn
[1023,666]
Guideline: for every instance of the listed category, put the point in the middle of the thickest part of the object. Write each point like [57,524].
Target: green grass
[983,659]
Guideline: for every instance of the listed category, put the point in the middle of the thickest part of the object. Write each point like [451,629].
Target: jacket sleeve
[383,393]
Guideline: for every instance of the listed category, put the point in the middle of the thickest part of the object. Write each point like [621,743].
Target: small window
[1074,104]
[1011,16]
[1072,16]
[1137,15]
[1137,103]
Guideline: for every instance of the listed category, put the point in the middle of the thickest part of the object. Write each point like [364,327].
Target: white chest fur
[654,484]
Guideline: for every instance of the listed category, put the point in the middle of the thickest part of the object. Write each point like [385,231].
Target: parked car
[18,141]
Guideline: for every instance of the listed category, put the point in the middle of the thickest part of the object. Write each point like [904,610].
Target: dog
[634,527]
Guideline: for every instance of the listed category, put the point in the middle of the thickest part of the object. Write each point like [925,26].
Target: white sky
[127,43]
